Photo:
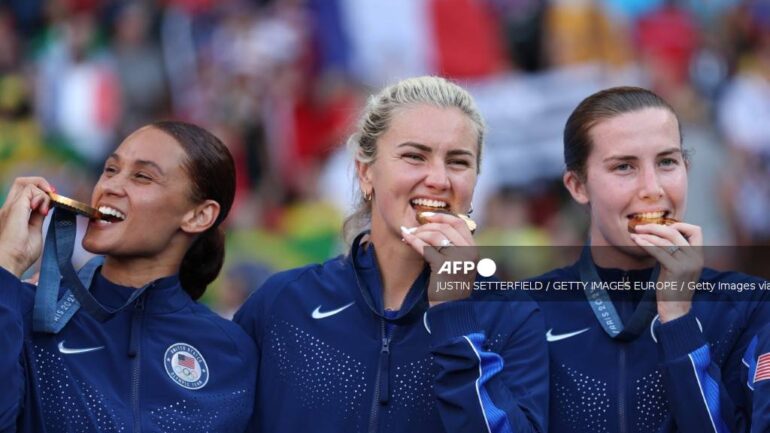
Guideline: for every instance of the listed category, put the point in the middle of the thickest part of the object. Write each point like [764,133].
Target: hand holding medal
[21,223]
[434,239]
[677,247]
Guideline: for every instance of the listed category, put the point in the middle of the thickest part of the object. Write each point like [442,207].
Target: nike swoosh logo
[318,314]
[68,351]
[558,337]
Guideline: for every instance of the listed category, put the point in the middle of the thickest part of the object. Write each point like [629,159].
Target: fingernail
[427,214]
[408,230]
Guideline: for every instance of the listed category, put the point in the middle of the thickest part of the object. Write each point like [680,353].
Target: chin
[93,247]
[635,252]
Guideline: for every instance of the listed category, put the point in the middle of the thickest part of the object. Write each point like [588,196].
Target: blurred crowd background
[283,81]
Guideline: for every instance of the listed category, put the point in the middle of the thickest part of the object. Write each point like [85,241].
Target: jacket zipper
[622,376]
[134,352]
[382,382]
[622,390]
[385,370]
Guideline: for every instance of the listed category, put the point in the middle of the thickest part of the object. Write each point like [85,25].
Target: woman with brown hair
[133,352]
[663,356]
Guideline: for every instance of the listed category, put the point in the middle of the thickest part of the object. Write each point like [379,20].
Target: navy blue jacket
[329,363]
[682,376]
[757,361]
[165,364]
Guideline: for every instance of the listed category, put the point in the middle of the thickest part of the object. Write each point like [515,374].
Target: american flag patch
[189,361]
[763,368]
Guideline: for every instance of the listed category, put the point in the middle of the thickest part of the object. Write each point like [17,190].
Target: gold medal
[468,222]
[74,206]
[638,220]
[466,219]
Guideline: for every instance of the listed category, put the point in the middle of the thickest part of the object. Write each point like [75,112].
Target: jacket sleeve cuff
[450,320]
[10,290]
[680,337]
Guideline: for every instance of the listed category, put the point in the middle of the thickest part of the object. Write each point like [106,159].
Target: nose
[112,185]
[650,187]
[437,177]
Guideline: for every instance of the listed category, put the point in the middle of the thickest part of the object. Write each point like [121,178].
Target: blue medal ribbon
[605,311]
[50,314]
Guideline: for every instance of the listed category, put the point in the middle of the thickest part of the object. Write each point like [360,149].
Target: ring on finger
[672,249]
[444,243]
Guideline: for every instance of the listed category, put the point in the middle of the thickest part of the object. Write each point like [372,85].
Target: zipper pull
[385,371]
[136,323]
[139,304]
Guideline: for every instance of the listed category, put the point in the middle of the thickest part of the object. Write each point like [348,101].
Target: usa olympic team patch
[186,366]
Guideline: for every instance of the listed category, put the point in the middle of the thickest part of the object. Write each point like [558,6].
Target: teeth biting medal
[422,217]
[644,219]
[82,208]
[75,206]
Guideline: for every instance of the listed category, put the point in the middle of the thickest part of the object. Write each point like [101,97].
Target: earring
[470,211]
[368,195]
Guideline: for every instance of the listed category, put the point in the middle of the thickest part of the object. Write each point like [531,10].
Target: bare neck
[136,272]
[399,266]
[615,258]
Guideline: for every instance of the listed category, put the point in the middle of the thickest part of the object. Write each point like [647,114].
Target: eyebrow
[634,158]
[428,149]
[140,162]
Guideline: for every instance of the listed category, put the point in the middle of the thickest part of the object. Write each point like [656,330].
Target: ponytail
[202,262]
[211,170]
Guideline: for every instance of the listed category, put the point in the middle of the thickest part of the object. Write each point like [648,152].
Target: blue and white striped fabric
[709,387]
[490,363]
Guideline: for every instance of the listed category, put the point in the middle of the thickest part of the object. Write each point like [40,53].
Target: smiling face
[145,185]
[427,158]
[636,166]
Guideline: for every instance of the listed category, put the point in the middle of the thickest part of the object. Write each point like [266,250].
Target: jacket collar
[163,295]
[363,260]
